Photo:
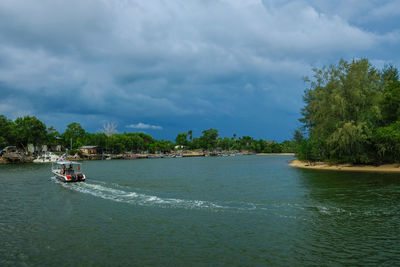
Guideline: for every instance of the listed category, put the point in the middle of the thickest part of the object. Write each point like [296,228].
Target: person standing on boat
[63,169]
[70,169]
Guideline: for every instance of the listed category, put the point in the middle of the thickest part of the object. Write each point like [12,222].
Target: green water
[240,211]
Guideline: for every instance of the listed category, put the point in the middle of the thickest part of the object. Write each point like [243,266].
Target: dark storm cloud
[179,64]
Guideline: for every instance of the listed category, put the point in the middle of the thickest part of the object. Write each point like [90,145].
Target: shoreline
[148,156]
[280,154]
[390,168]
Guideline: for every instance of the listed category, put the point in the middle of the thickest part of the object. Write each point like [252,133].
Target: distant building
[89,150]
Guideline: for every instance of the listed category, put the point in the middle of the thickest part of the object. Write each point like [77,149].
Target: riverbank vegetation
[30,130]
[352,114]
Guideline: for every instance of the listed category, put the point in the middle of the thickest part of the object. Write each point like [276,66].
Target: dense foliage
[30,130]
[210,141]
[352,114]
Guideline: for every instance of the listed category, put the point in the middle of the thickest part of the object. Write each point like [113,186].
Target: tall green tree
[342,110]
[245,142]
[388,142]
[136,142]
[7,132]
[74,135]
[224,143]
[53,136]
[391,95]
[190,134]
[30,130]
[298,137]
[181,139]
[209,139]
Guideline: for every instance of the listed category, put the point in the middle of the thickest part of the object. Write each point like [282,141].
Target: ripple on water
[221,211]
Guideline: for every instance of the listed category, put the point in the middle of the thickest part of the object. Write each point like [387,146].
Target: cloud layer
[228,64]
[144,126]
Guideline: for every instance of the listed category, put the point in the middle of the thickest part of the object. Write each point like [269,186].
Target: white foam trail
[123,194]
[130,197]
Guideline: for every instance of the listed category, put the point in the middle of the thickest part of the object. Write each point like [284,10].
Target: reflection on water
[253,210]
[356,218]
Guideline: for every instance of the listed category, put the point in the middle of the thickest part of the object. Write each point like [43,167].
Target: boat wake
[125,195]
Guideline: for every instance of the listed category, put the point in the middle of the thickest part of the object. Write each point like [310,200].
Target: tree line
[209,140]
[351,114]
[30,130]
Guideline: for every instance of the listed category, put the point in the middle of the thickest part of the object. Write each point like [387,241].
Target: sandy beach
[394,168]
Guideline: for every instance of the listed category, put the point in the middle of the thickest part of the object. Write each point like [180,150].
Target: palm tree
[190,133]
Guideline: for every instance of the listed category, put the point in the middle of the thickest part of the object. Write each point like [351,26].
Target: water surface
[244,210]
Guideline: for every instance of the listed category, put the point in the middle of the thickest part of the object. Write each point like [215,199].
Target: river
[236,211]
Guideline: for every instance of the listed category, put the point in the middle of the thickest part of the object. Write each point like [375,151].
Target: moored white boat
[68,171]
[46,157]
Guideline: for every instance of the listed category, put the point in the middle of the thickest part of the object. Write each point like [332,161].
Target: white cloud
[144,126]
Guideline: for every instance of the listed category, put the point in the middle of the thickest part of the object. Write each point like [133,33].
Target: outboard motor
[79,176]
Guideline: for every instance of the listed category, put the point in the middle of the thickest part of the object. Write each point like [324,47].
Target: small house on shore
[89,150]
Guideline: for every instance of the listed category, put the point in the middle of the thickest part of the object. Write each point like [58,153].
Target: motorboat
[68,171]
[46,157]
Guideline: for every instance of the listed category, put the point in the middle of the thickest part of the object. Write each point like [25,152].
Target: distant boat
[106,157]
[68,171]
[46,157]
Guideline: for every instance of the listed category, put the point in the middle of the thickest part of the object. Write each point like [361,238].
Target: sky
[169,66]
